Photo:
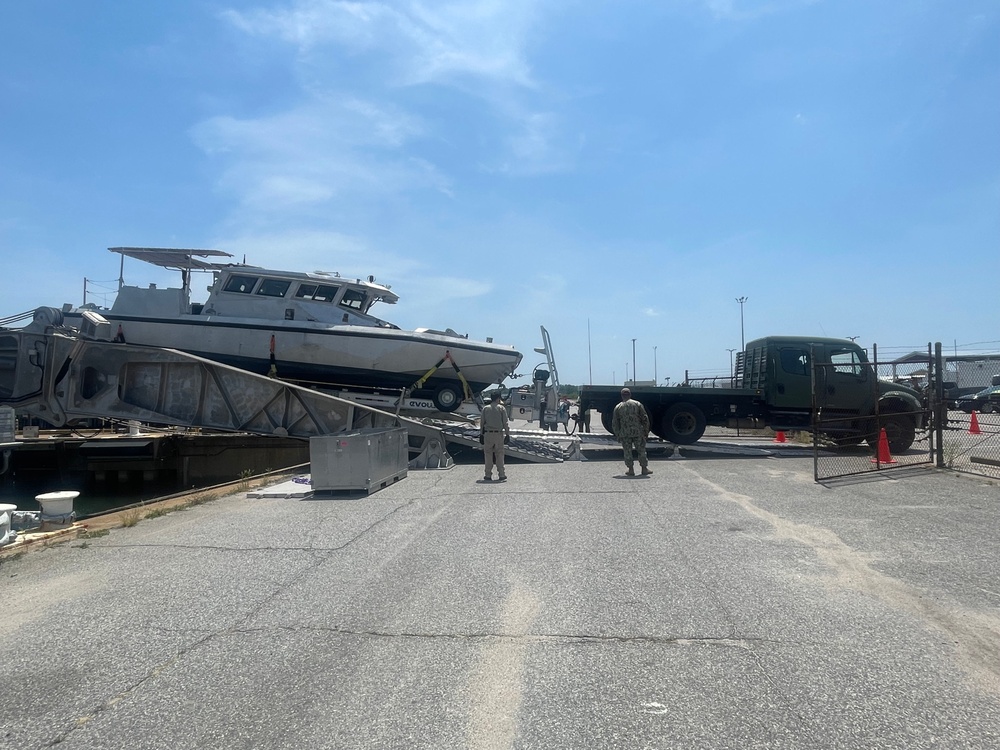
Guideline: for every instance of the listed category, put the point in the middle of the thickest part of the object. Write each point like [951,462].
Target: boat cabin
[243,291]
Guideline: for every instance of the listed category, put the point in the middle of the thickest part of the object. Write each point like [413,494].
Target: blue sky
[610,170]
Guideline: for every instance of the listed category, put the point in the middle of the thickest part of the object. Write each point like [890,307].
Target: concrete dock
[723,602]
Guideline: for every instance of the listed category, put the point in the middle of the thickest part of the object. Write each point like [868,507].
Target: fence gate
[968,436]
[846,443]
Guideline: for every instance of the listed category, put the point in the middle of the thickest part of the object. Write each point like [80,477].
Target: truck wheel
[899,431]
[683,424]
[447,398]
[606,417]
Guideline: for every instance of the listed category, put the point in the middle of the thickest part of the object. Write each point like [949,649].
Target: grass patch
[12,557]
[951,450]
[245,477]
[202,499]
[94,534]
[131,517]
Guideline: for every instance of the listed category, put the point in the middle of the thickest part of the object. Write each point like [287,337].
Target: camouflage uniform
[630,424]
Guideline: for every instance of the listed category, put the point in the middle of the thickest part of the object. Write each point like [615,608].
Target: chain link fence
[970,443]
[957,426]
[837,457]
[891,430]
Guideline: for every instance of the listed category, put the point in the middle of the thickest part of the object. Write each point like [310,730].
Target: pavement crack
[275,548]
[221,548]
[975,635]
[696,573]
[746,644]
[278,588]
[127,692]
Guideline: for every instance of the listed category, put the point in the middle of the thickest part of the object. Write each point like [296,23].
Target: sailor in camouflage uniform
[630,424]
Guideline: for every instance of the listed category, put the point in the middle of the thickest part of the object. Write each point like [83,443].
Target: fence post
[939,412]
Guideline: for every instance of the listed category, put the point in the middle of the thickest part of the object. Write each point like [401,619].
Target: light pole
[655,379]
[742,301]
[732,374]
[626,373]
[590,362]
[633,359]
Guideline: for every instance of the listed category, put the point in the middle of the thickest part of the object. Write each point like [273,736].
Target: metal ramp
[595,443]
[529,445]
[60,377]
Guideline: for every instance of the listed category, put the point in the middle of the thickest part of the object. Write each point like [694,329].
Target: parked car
[986,401]
[953,391]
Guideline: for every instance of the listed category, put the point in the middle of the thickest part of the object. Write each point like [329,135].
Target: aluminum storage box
[360,461]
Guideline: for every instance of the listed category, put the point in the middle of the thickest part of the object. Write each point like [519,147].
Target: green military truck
[773,387]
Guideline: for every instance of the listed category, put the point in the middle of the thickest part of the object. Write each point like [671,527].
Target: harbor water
[95,498]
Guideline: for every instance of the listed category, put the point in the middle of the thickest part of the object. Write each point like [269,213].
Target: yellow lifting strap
[446,358]
[272,371]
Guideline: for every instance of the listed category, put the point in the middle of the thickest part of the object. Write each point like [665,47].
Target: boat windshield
[354,299]
[274,287]
[241,284]
[317,292]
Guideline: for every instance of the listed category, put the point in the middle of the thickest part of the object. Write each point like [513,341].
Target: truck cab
[843,373]
[847,389]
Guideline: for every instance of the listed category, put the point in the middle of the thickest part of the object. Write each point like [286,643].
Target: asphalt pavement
[723,602]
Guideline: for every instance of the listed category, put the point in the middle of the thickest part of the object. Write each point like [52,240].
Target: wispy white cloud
[427,42]
[531,148]
[359,132]
[747,10]
[316,153]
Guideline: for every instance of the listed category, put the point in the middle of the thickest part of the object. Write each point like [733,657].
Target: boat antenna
[121,273]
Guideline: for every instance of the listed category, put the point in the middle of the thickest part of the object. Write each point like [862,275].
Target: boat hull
[324,355]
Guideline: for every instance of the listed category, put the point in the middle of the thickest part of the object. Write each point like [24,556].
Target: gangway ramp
[529,445]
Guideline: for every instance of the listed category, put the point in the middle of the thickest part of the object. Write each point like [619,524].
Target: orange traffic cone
[779,437]
[974,425]
[884,456]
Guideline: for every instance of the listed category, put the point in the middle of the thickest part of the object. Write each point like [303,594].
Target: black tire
[606,417]
[683,424]
[899,431]
[447,398]
[987,408]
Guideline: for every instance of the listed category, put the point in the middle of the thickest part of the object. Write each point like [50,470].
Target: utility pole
[590,361]
[633,359]
[732,373]
[743,341]
[655,378]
